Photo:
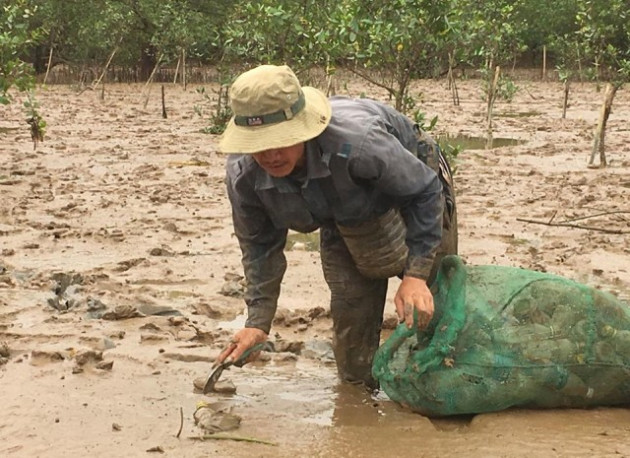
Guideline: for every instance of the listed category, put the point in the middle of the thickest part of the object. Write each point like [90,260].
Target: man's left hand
[414,294]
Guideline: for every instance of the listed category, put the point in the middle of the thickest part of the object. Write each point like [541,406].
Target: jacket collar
[316,167]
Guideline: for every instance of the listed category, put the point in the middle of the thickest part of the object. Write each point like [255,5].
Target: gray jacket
[362,165]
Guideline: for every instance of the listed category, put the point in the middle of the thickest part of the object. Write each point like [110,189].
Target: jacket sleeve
[262,247]
[413,187]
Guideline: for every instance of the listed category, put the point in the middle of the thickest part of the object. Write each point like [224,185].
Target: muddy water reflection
[303,407]
[303,241]
[313,396]
[468,142]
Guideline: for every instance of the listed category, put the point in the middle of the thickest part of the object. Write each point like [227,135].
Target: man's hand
[242,340]
[413,293]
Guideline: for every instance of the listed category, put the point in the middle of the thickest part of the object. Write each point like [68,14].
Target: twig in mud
[86,88]
[531,200]
[181,422]
[575,226]
[529,93]
[595,215]
[232,438]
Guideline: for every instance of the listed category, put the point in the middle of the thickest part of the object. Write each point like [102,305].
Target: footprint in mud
[158,251]
[88,359]
[234,285]
[121,312]
[152,339]
[124,266]
[66,289]
[115,234]
[6,276]
[42,357]
[5,353]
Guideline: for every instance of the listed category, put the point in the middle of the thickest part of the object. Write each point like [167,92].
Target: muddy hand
[414,295]
[240,343]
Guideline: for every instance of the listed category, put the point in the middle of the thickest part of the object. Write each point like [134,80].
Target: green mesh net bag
[504,337]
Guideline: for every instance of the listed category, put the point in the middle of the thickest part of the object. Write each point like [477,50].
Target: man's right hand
[241,341]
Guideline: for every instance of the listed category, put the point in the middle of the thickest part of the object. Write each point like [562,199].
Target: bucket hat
[271,110]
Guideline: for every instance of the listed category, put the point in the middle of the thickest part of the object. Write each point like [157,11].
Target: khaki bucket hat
[271,110]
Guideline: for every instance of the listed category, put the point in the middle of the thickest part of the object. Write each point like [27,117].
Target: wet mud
[120,282]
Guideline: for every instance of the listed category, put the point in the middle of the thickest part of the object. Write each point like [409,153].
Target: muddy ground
[120,279]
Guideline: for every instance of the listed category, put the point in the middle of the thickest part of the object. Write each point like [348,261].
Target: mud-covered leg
[356,305]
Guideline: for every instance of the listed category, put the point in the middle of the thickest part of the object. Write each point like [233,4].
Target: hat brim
[307,124]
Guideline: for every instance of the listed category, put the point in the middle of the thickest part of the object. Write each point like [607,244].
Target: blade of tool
[214,376]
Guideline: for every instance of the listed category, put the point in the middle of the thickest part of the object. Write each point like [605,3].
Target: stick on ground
[232,438]
[181,422]
[575,226]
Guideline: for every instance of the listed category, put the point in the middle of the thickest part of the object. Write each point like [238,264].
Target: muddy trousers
[356,307]
[357,302]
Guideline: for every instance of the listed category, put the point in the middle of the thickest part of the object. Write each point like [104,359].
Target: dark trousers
[356,306]
[357,302]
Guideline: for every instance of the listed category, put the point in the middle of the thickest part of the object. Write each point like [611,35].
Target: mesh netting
[504,337]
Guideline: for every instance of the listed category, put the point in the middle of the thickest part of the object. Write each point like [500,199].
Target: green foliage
[220,111]
[450,150]
[15,39]
[506,87]
[559,32]
[493,32]
[388,42]
[420,118]
[391,42]
[604,37]
[175,25]
[285,32]
[564,74]
[79,34]
[543,23]
[142,31]
[568,56]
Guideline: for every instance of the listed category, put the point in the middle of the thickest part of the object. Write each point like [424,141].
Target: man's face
[280,162]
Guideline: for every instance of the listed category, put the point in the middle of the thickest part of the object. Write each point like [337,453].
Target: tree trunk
[330,77]
[453,85]
[565,101]
[184,69]
[544,65]
[147,63]
[600,133]
[579,61]
[492,94]
[164,115]
[49,64]
[38,58]
[146,85]
[451,80]
[176,70]
[109,61]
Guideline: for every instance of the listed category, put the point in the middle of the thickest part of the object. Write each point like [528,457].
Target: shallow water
[306,242]
[344,420]
[518,114]
[468,142]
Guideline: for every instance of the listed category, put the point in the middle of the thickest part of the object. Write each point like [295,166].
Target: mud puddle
[469,142]
[344,420]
